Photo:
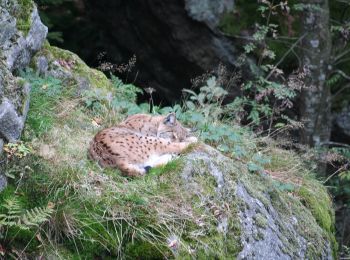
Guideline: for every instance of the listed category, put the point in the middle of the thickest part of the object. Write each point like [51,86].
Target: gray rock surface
[1,145]
[3,182]
[208,11]
[267,231]
[7,26]
[272,242]
[11,124]
[173,41]
[16,50]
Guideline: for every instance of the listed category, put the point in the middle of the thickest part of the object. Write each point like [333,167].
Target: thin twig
[284,56]
[341,54]
[334,173]
[341,73]
[341,61]
[335,143]
[340,90]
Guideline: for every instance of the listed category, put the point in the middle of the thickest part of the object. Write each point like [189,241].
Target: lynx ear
[170,119]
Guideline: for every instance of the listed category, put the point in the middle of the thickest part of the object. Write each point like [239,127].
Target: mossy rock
[203,205]
[67,66]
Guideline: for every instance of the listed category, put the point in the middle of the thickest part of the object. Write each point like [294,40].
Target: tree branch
[341,73]
[335,144]
[285,55]
[341,55]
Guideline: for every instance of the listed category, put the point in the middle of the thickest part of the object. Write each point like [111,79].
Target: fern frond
[15,216]
[36,216]
[13,212]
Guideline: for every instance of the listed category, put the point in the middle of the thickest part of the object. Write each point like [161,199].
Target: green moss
[24,15]
[316,199]
[319,204]
[96,78]
[260,220]
[172,166]
[99,213]
[146,250]
[259,236]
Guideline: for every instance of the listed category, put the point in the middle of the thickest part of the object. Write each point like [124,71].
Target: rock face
[16,50]
[273,224]
[174,41]
[208,11]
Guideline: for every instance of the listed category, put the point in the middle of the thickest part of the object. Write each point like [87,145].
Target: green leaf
[254,116]
[280,125]
[249,47]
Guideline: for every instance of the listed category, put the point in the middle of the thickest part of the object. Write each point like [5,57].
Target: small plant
[13,215]
[209,99]
[125,92]
[121,99]
[18,150]
[216,123]
[20,227]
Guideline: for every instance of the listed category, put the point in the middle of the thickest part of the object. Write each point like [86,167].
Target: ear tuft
[170,119]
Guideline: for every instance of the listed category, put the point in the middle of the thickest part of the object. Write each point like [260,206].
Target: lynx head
[172,129]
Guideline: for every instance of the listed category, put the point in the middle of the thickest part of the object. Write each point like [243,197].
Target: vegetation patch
[170,213]
[23,15]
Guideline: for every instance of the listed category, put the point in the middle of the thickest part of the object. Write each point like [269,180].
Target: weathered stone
[271,242]
[16,50]
[3,182]
[19,50]
[1,145]
[270,226]
[173,41]
[69,68]
[7,26]
[41,65]
[11,124]
[208,11]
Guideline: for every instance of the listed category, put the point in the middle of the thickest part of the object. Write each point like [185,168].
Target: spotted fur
[139,143]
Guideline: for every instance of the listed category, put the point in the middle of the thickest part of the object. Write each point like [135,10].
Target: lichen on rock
[21,34]
[273,224]
[67,66]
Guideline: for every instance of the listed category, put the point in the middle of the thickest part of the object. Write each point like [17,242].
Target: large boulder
[21,35]
[208,11]
[274,222]
[173,41]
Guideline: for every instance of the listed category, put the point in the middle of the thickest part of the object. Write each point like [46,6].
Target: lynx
[140,143]
[159,126]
